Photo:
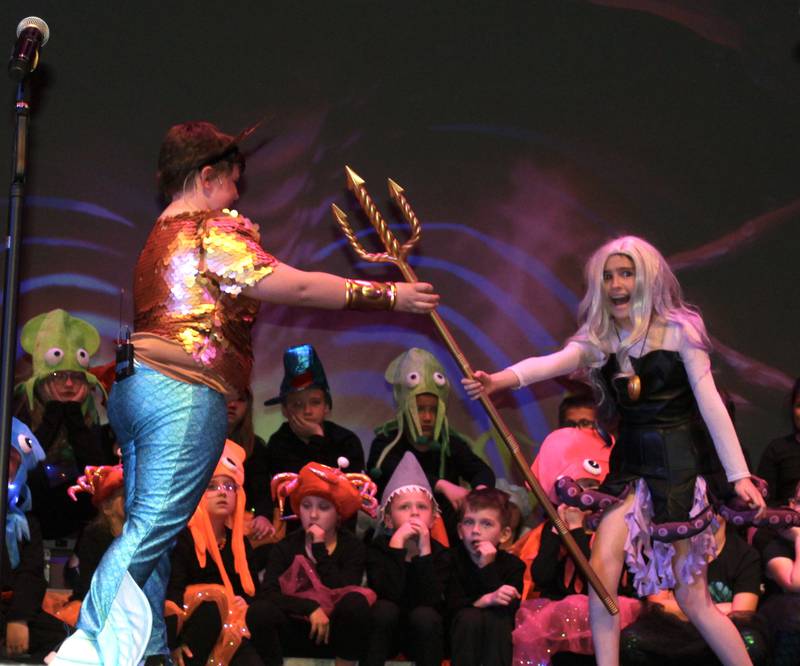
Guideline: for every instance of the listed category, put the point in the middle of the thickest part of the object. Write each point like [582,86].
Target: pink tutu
[301,580]
[545,627]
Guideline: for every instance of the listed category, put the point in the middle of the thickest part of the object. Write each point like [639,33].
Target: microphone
[32,34]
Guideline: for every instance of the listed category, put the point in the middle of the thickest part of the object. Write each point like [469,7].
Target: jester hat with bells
[349,493]
[57,341]
[231,464]
[413,373]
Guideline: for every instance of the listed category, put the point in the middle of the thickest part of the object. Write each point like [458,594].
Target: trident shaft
[396,254]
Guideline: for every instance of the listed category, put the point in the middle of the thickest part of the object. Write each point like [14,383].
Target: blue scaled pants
[172,436]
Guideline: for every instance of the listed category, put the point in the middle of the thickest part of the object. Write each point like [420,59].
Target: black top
[666,398]
[286,452]
[662,431]
[469,582]
[58,514]
[549,566]
[420,582]
[460,464]
[257,479]
[774,546]
[736,569]
[344,566]
[780,468]
[186,571]
[26,583]
[92,545]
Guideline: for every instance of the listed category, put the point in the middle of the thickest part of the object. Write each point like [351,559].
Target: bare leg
[608,556]
[717,629]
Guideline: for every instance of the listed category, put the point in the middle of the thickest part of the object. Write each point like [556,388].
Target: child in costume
[648,355]
[554,614]
[485,584]
[780,462]
[197,287]
[306,435]
[313,576]
[409,571]
[106,487]
[209,599]
[662,633]
[256,487]
[26,627]
[58,401]
[420,389]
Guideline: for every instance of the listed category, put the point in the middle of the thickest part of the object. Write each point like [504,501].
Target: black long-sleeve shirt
[90,444]
[186,571]
[548,567]
[344,566]
[780,468]
[26,582]
[420,582]
[286,452]
[469,582]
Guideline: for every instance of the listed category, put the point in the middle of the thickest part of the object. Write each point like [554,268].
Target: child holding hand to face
[408,569]
[485,584]
[310,604]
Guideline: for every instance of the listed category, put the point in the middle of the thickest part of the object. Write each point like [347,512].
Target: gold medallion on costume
[634,387]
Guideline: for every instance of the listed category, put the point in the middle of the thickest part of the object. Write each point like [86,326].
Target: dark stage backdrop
[525,134]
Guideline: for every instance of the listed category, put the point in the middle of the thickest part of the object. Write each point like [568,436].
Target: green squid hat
[57,341]
[413,373]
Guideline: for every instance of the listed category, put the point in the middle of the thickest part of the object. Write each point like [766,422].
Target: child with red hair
[311,604]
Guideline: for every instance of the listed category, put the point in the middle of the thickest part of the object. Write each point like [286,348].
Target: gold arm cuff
[366,295]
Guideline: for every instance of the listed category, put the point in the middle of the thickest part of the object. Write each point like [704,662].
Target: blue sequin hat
[302,369]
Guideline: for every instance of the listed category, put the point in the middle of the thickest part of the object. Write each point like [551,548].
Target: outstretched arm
[290,286]
[528,371]
[718,421]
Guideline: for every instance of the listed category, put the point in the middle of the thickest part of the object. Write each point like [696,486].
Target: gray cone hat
[407,475]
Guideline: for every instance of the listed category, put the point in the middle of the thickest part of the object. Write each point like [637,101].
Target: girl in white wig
[646,353]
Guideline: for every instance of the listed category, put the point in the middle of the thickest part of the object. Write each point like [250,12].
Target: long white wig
[656,294]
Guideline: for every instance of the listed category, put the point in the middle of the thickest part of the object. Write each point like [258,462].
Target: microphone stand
[11,294]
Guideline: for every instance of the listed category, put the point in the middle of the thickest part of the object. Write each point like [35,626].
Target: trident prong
[396,254]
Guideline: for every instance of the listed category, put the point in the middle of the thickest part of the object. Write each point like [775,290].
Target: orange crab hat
[231,464]
[100,482]
[349,493]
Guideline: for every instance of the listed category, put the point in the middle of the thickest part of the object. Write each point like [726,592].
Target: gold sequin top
[188,285]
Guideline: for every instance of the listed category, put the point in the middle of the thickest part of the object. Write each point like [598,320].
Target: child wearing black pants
[310,604]
[408,569]
[486,583]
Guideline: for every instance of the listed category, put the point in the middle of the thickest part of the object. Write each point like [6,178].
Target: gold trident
[396,254]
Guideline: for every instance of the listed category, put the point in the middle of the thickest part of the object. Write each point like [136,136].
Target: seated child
[256,486]
[485,583]
[106,486]
[215,595]
[663,633]
[306,435]
[420,426]
[310,603]
[59,403]
[27,628]
[408,569]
